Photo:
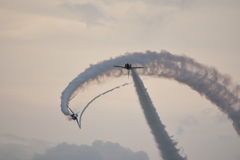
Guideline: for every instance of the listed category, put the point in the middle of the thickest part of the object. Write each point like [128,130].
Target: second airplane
[128,67]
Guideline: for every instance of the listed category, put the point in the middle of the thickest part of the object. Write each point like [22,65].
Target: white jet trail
[207,81]
[166,145]
[80,119]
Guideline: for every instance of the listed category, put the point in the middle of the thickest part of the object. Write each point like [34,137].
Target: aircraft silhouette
[128,67]
[74,116]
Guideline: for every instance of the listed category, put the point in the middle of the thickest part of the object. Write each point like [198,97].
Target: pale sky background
[45,44]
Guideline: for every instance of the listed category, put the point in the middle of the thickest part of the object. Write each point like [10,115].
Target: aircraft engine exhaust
[69,118]
[207,81]
[166,145]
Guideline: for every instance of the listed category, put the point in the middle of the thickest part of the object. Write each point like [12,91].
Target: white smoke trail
[166,145]
[80,119]
[207,81]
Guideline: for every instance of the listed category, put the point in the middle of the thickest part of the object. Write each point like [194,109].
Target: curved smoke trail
[80,119]
[166,145]
[207,81]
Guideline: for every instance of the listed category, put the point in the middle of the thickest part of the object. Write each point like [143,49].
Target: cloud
[65,151]
[180,130]
[86,12]
[186,122]
[19,148]
[189,121]
[111,151]
[221,118]
[22,140]
[16,152]
[98,151]
[218,116]
[153,2]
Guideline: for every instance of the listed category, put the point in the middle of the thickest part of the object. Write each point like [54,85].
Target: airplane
[128,67]
[74,116]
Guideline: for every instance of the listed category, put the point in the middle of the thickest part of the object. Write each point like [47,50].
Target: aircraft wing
[119,66]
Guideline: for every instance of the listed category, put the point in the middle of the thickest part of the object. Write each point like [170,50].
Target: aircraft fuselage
[128,66]
[74,116]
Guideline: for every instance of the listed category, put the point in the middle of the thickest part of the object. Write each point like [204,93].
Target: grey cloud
[180,130]
[98,151]
[20,152]
[189,121]
[225,138]
[65,151]
[19,148]
[21,139]
[220,118]
[92,14]
[179,3]
[114,151]
[86,12]
[237,156]
[34,143]
[14,151]
[14,137]
[186,122]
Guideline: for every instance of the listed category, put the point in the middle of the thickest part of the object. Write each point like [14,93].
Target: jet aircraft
[74,116]
[128,67]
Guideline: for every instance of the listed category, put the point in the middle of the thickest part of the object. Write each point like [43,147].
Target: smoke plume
[166,145]
[207,81]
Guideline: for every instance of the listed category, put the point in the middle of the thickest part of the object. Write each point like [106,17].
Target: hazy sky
[45,44]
